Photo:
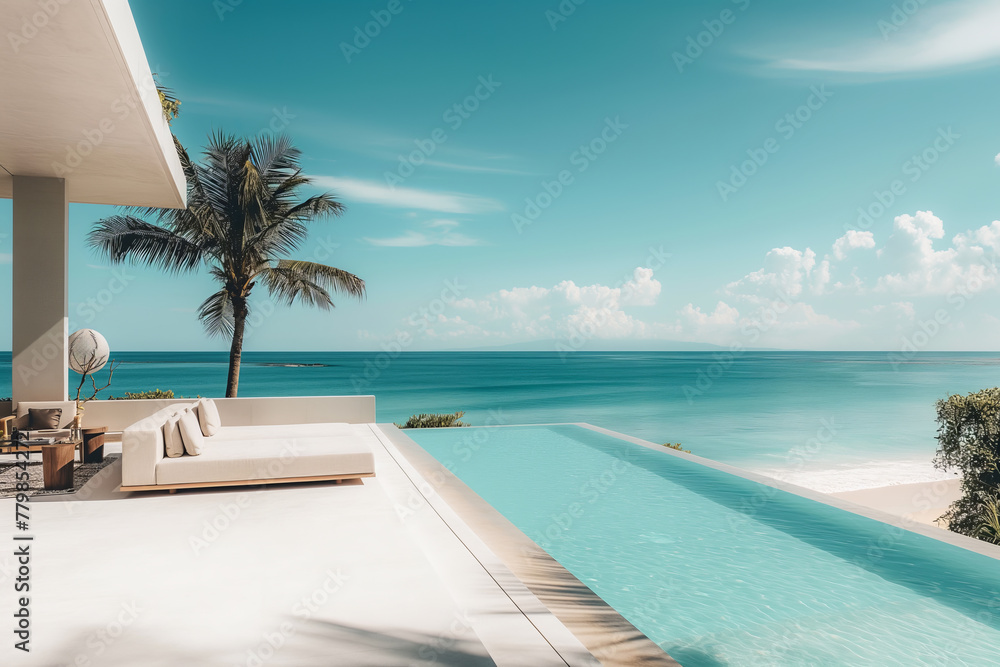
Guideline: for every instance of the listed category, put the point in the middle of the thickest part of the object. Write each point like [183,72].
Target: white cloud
[558,312]
[438,232]
[642,290]
[851,240]
[786,271]
[997,159]
[6,258]
[987,235]
[797,300]
[934,38]
[915,267]
[373,192]
[455,166]
[442,224]
[723,315]
[774,323]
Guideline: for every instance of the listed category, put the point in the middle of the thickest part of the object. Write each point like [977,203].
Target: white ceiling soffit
[78,101]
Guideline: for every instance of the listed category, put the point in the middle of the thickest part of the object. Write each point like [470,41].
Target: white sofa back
[118,415]
[142,446]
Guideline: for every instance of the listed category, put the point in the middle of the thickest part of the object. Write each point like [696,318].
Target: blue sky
[618,175]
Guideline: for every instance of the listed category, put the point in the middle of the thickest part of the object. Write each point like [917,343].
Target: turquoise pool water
[720,570]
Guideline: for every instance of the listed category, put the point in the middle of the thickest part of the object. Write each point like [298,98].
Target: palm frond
[286,286]
[275,157]
[216,313]
[330,278]
[317,206]
[122,238]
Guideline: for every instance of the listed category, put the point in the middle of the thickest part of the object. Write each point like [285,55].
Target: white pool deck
[370,572]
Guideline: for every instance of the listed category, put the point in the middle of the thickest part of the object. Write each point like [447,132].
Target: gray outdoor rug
[81,475]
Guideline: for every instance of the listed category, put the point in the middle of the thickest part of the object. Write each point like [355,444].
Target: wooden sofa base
[239,482]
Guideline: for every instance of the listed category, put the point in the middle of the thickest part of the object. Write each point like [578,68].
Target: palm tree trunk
[236,350]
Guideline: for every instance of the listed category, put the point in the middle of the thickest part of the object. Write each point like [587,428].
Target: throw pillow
[208,416]
[191,435]
[44,418]
[173,445]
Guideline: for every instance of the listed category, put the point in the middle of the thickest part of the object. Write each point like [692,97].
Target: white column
[41,300]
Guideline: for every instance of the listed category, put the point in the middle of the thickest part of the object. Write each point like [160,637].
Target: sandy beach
[912,489]
[923,502]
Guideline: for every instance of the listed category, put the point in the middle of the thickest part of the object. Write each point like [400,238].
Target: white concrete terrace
[374,572]
[80,121]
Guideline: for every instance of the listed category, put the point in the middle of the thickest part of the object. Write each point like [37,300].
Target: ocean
[831,421]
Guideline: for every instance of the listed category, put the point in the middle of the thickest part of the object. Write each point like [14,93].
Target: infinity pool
[721,570]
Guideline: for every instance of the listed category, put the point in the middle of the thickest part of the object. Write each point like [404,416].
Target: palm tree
[243,217]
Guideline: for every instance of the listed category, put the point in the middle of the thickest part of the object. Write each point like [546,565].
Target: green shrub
[969,440]
[433,421]
[155,393]
[677,447]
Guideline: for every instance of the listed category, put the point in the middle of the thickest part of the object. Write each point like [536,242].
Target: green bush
[433,421]
[677,447]
[155,393]
[969,440]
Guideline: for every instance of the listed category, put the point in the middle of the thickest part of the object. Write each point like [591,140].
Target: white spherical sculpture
[88,351]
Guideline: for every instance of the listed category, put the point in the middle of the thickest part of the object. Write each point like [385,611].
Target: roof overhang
[78,101]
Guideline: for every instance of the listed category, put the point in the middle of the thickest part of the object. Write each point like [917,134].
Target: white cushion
[172,443]
[345,449]
[191,435]
[208,416]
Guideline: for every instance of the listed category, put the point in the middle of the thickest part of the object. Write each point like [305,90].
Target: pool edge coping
[933,532]
[941,534]
[503,538]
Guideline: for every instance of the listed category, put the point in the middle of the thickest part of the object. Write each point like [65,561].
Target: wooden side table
[93,445]
[57,465]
